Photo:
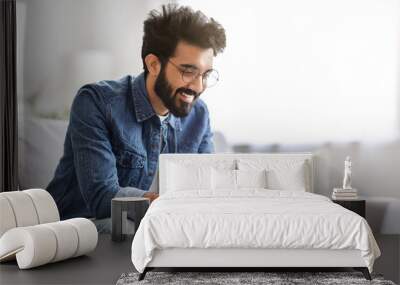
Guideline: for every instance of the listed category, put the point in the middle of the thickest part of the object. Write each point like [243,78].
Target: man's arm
[94,160]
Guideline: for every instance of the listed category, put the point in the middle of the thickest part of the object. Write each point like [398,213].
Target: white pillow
[223,179]
[282,174]
[251,178]
[229,179]
[182,177]
[287,179]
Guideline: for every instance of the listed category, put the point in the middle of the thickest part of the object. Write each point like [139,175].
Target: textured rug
[231,278]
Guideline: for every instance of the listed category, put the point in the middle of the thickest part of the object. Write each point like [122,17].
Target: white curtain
[306,71]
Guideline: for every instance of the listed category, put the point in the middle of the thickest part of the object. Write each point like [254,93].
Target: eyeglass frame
[179,68]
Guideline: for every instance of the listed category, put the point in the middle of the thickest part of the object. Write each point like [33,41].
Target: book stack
[344,194]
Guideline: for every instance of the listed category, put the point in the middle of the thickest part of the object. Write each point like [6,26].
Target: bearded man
[118,128]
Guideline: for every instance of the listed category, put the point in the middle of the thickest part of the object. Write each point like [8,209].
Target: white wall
[70,43]
[307,71]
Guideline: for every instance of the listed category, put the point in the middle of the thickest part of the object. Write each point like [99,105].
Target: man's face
[177,95]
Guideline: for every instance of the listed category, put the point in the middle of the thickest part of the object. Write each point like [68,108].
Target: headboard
[232,160]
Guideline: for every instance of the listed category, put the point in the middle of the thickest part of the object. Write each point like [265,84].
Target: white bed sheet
[250,218]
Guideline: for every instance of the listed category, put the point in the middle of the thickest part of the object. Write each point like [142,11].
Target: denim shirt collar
[143,108]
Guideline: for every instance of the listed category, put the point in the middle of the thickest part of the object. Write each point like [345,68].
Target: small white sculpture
[347,173]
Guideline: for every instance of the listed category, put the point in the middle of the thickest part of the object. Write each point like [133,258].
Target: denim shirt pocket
[130,168]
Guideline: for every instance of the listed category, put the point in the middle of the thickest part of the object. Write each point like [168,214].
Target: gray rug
[230,278]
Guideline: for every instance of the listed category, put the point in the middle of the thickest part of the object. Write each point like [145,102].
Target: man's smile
[186,97]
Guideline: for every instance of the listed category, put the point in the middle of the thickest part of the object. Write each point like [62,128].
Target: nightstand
[357,206]
[124,211]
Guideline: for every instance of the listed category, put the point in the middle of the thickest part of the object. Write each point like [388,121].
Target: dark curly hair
[164,30]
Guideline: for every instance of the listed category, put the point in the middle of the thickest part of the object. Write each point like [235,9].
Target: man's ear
[153,64]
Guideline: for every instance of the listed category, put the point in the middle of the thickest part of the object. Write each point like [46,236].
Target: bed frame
[249,259]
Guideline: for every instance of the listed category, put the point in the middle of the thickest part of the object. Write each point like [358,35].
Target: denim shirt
[113,143]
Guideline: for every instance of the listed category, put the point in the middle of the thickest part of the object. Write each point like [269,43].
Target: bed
[245,211]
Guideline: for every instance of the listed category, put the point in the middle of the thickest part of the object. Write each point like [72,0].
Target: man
[117,129]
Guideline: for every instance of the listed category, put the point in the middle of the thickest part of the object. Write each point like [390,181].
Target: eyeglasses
[189,74]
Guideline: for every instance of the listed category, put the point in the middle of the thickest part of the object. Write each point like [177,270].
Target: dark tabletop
[104,265]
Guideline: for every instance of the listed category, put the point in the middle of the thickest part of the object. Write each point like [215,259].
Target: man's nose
[197,84]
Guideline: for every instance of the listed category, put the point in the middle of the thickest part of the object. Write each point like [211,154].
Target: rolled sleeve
[130,192]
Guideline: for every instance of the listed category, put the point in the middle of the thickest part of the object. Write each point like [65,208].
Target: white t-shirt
[162,118]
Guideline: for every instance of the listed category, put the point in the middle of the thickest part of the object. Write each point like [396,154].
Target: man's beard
[176,106]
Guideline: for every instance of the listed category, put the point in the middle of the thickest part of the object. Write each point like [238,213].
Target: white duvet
[251,218]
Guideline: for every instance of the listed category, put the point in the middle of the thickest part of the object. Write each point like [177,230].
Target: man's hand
[151,195]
